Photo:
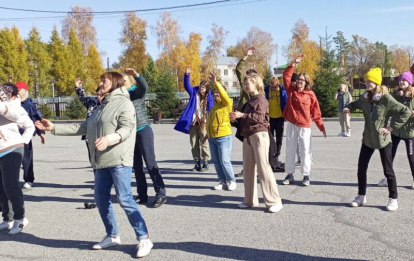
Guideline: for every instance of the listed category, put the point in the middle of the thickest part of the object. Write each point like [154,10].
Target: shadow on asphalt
[238,253]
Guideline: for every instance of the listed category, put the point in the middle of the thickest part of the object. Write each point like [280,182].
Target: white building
[226,69]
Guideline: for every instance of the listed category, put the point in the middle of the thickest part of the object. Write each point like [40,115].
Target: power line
[125,11]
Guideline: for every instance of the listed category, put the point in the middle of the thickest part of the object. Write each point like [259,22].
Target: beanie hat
[294,77]
[6,92]
[21,85]
[407,76]
[374,75]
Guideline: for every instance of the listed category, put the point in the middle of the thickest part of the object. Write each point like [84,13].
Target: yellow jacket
[218,120]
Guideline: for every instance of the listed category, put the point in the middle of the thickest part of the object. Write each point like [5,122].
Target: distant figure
[344,97]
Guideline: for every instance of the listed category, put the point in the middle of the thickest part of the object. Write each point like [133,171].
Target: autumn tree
[214,49]
[77,64]
[81,20]
[60,68]
[300,44]
[9,55]
[363,55]
[39,64]
[262,41]
[94,69]
[22,74]
[400,59]
[133,36]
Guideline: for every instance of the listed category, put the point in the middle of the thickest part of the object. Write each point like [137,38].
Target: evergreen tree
[327,79]
[9,55]
[39,64]
[165,91]
[151,73]
[60,69]
[94,69]
[76,59]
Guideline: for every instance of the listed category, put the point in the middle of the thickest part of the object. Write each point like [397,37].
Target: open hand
[212,77]
[131,72]
[250,51]
[188,70]
[299,58]
[101,143]
[45,125]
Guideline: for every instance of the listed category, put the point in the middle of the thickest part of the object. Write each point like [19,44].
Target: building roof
[227,61]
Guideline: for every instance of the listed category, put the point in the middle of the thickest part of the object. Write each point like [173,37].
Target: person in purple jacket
[35,115]
[193,120]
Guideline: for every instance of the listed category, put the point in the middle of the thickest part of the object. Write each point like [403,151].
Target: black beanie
[294,77]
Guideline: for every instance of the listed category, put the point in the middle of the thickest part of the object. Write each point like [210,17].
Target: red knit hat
[21,85]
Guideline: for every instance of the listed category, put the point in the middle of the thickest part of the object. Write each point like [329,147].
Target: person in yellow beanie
[376,103]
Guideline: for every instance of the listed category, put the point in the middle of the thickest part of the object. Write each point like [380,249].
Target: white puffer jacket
[13,116]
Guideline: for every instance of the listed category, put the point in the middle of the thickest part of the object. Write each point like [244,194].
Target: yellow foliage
[312,54]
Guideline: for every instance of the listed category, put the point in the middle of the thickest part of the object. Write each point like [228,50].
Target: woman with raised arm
[376,103]
[193,120]
[220,137]
[301,108]
[254,131]
[111,133]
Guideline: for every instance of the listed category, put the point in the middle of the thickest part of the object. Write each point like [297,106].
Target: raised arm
[224,96]
[88,102]
[187,84]
[287,74]
[141,86]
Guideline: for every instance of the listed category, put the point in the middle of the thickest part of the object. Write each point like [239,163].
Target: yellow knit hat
[374,75]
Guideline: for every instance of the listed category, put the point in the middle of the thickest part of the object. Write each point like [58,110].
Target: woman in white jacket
[12,116]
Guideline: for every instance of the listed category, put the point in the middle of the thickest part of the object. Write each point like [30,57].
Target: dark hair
[98,89]
[116,78]
[15,90]
[294,77]
[251,72]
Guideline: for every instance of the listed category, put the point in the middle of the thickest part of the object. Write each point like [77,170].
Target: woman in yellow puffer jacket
[220,136]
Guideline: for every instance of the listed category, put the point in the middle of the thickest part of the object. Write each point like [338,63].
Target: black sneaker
[205,167]
[239,174]
[197,167]
[297,164]
[158,202]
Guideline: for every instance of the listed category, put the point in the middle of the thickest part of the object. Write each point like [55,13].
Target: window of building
[226,84]
[226,72]
[234,84]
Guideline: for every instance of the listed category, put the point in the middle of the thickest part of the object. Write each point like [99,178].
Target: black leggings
[409,145]
[386,160]
[9,184]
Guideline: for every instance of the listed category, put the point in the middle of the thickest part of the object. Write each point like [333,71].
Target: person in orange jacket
[302,107]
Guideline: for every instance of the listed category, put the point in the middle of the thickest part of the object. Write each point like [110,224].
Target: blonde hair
[378,90]
[257,81]
[345,87]
[308,83]
[274,81]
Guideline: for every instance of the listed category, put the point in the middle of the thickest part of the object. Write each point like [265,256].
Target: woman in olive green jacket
[219,136]
[405,95]
[376,103]
[111,134]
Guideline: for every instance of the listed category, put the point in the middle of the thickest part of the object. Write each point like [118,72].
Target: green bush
[45,110]
[75,110]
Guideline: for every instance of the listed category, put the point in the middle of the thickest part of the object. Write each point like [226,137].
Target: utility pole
[53,88]
[107,64]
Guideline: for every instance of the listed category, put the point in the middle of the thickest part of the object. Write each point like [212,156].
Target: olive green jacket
[116,120]
[375,116]
[244,96]
[407,130]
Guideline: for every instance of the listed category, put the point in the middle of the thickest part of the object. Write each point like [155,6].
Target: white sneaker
[28,185]
[348,134]
[383,183]
[242,205]
[231,185]
[359,201]
[107,242]
[275,208]
[220,185]
[144,247]
[6,225]
[18,226]
[392,204]
[412,187]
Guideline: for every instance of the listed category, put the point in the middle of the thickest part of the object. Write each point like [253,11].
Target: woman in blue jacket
[193,120]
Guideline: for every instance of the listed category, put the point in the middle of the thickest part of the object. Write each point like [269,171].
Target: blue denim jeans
[120,177]
[220,149]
